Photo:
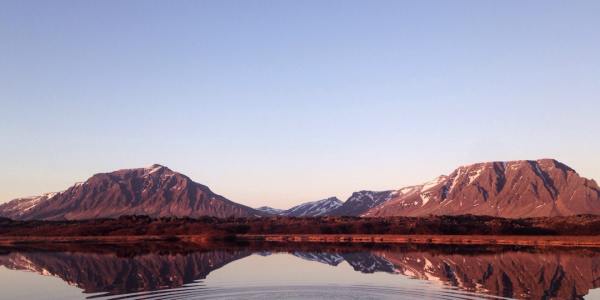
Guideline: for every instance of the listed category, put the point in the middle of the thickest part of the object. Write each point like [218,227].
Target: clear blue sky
[279,102]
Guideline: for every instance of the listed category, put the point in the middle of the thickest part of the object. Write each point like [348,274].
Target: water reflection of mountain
[537,274]
[332,259]
[365,262]
[113,274]
[515,274]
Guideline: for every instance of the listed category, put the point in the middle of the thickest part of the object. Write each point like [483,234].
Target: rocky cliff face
[514,189]
[155,191]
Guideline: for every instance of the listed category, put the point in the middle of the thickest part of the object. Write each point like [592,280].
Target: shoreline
[426,239]
[431,239]
[116,239]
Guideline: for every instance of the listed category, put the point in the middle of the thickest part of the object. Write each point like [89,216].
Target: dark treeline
[447,225]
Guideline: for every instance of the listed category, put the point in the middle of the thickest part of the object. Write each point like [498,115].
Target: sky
[280,102]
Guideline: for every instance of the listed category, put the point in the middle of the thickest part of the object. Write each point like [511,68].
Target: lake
[296,271]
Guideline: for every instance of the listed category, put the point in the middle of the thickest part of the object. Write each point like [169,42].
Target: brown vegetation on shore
[215,228]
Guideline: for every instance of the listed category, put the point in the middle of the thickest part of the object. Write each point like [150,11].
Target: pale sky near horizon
[280,102]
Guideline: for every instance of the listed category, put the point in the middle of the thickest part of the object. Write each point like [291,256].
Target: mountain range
[514,189]
[357,204]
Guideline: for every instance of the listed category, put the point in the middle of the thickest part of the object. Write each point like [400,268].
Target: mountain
[313,209]
[155,191]
[514,189]
[360,202]
[270,210]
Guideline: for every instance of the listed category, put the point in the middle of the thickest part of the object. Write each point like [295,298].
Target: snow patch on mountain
[474,176]
[433,183]
[425,198]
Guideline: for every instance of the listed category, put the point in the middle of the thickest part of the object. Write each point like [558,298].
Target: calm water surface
[297,271]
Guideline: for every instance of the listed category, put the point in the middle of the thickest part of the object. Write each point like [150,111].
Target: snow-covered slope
[358,204]
[314,209]
[270,210]
[21,206]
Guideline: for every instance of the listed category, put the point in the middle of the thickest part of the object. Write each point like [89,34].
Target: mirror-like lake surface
[297,271]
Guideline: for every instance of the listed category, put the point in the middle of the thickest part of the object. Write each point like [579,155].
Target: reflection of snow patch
[428,272]
[45,272]
[428,265]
